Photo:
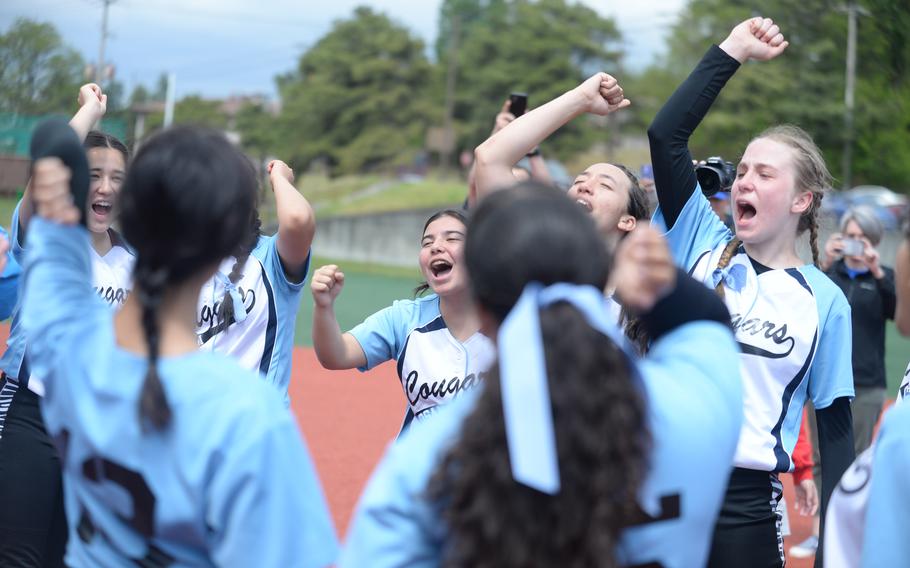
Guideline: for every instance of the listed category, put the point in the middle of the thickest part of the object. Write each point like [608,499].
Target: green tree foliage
[39,74]
[358,98]
[805,86]
[542,47]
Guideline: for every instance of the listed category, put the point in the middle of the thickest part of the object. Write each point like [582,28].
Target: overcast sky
[222,47]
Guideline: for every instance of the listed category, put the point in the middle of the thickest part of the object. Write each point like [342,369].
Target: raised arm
[669,133]
[92,106]
[57,293]
[902,284]
[335,350]
[600,94]
[296,221]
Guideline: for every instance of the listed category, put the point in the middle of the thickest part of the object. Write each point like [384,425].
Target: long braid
[153,405]
[226,310]
[725,258]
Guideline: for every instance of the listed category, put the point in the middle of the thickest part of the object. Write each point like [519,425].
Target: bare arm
[92,106]
[601,94]
[335,350]
[296,220]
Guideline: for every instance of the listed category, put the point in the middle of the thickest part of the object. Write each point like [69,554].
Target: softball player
[791,322]
[32,520]
[573,451]
[171,456]
[248,310]
[435,339]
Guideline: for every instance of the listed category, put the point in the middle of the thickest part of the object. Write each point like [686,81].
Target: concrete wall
[394,238]
[382,238]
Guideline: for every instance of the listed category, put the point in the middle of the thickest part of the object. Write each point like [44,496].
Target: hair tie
[523,377]
[236,298]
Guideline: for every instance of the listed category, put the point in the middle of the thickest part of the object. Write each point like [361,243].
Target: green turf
[366,290]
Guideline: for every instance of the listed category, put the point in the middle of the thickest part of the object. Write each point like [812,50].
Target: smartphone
[853,247]
[518,104]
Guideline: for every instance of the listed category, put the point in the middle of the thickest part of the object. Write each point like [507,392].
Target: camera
[518,104]
[715,175]
[853,247]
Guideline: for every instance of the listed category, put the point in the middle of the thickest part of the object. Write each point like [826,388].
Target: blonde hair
[811,174]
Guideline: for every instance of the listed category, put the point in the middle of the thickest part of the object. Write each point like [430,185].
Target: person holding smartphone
[852,262]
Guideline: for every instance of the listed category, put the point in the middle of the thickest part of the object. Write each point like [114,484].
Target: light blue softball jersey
[434,368]
[264,340]
[793,327]
[888,513]
[694,410]
[228,482]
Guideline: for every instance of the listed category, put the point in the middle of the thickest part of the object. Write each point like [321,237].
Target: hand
[871,259]
[834,248]
[93,100]
[806,497]
[602,95]
[503,118]
[326,285]
[643,271]
[756,38]
[281,170]
[50,190]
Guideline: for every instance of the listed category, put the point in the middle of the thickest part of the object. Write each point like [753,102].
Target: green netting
[16,131]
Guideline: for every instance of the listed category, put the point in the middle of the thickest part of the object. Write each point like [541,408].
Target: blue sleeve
[888,513]
[394,524]
[16,240]
[266,506]
[697,230]
[382,335]
[60,311]
[267,252]
[9,282]
[831,375]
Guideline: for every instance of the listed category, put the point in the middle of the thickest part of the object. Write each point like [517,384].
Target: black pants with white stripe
[747,534]
[32,519]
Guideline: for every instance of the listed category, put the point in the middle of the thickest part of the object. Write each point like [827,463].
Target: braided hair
[186,204]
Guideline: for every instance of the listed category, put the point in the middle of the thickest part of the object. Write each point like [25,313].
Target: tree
[805,86]
[542,47]
[358,98]
[38,73]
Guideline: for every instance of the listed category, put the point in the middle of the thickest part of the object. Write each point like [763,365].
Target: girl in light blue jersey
[791,322]
[248,309]
[435,339]
[573,452]
[171,456]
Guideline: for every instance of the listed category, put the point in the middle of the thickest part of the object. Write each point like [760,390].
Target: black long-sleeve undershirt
[669,133]
[689,301]
[835,444]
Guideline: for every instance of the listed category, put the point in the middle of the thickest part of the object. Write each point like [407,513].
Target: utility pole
[99,68]
[451,76]
[849,101]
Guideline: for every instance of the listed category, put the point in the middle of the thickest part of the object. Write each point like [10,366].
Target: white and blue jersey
[433,366]
[264,341]
[111,279]
[793,328]
[694,410]
[888,514]
[846,520]
[228,482]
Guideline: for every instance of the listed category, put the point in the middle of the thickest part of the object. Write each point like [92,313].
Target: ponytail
[153,405]
[496,521]
[226,311]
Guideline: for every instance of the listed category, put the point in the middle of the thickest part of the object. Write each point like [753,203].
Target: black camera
[715,175]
